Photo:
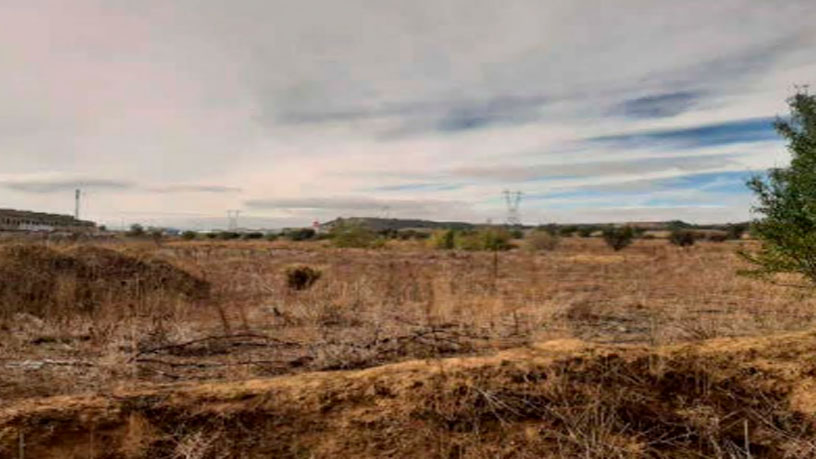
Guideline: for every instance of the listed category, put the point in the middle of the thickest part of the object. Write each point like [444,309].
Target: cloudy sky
[171,112]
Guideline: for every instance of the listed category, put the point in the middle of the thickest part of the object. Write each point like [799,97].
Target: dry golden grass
[728,398]
[373,307]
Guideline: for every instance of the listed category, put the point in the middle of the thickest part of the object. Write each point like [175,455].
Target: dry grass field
[137,349]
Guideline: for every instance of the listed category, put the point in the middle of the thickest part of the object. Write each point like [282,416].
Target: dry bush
[541,241]
[301,277]
[43,281]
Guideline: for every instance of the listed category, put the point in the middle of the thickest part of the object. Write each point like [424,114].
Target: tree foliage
[618,237]
[786,199]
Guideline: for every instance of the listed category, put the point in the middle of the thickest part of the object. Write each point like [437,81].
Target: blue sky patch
[659,105]
[710,135]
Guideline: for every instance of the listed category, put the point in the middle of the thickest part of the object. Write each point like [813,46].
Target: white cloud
[231,102]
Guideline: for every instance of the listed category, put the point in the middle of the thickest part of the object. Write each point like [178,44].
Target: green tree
[786,199]
[618,238]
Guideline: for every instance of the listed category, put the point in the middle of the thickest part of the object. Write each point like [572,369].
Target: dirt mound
[40,280]
[724,398]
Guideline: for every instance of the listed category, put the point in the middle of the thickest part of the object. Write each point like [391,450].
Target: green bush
[228,235]
[585,231]
[408,234]
[443,239]
[567,231]
[682,238]
[189,235]
[483,239]
[252,235]
[271,237]
[619,238]
[299,234]
[541,241]
[349,235]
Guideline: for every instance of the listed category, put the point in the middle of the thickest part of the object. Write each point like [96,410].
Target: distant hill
[396,224]
[384,224]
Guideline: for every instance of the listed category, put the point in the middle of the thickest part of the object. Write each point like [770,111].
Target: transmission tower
[513,201]
[232,219]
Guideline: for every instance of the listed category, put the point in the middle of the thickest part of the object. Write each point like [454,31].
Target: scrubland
[205,349]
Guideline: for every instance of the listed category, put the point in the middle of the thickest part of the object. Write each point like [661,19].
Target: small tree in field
[619,238]
[787,199]
[682,238]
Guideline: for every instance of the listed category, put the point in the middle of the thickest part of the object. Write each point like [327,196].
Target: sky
[172,112]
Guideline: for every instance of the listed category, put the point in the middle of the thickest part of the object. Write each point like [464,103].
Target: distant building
[22,220]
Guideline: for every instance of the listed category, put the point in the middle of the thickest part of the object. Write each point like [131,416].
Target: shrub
[189,235]
[407,234]
[541,241]
[388,233]
[718,236]
[350,235]
[567,231]
[483,239]
[299,234]
[228,235]
[302,277]
[443,239]
[586,231]
[252,235]
[736,230]
[619,237]
[517,233]
[682,238]
[496,239]
[156,234]
[136,230]
[271,237]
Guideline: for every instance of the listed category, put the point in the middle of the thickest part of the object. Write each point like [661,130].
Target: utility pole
[77,195]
